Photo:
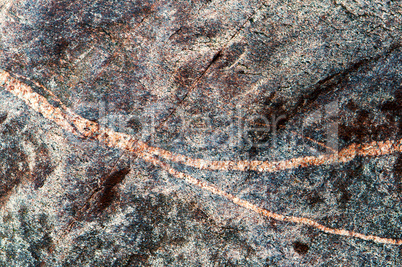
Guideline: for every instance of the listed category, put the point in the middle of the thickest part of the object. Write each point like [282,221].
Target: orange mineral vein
[77,125]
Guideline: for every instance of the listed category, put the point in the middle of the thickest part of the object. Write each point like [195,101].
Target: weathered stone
[241,114]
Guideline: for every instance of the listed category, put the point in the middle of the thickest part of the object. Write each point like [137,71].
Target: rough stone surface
[204,79]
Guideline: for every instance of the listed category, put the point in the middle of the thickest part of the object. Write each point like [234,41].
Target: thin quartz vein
[77,125]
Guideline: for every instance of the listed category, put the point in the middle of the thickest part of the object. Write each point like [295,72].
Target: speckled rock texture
[235,80]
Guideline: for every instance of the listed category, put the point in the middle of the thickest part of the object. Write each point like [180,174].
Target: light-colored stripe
[75,124]
[248,205]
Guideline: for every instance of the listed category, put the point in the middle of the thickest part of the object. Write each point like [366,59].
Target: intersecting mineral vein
[80,126]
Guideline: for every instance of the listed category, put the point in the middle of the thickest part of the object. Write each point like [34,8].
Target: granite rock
[212,80]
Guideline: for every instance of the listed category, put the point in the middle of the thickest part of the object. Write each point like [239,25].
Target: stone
[200,133]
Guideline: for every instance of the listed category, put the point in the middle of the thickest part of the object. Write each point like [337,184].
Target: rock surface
[214,81]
